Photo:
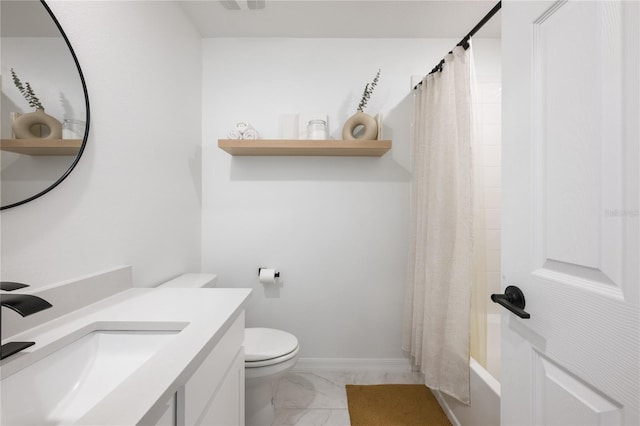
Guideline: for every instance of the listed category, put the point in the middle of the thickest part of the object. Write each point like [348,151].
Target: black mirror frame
[86,130]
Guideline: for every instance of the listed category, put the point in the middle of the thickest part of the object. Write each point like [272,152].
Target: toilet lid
[261,344]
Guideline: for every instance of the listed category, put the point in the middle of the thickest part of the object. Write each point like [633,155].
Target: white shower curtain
[437,314]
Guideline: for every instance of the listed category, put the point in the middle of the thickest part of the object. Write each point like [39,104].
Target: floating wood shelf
[333,148]
[42,146]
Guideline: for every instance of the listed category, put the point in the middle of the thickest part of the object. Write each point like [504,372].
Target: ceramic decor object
[27,126]
[360,126]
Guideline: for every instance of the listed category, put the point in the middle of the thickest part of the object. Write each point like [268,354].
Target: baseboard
[446,408]
[353,364]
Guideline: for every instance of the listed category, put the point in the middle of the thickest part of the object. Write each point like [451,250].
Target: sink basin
[63,386]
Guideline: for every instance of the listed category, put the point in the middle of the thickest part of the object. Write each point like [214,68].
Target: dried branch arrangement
[368,90]
[26,91]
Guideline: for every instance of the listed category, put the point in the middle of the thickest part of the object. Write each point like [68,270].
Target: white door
[571,95]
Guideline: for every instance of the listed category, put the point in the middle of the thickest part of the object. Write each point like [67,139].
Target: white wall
[134,196]
[336,228]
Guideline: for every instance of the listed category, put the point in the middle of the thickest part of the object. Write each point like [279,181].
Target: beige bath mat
[394,405]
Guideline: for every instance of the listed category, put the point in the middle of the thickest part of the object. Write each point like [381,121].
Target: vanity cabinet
[226,405]
[169,415]
[214,395]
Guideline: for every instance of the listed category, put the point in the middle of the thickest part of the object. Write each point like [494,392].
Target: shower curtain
[438,306]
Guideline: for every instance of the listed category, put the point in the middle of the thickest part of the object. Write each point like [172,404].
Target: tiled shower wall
[490,144]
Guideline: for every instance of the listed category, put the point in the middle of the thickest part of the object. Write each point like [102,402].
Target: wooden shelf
[42,146]
[332,148]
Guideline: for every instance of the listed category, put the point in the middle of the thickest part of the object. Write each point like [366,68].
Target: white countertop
[205,314]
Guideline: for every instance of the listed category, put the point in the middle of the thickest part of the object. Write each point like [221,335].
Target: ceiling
[343,18]
[300,18]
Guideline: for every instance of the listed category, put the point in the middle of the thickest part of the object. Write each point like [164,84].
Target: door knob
[513,300]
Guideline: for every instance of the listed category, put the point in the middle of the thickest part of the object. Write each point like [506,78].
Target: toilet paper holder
[277,274]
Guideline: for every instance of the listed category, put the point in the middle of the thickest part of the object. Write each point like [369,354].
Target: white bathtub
[485,389]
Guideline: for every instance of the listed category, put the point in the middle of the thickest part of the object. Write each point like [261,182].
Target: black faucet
[25,305]
[10,285]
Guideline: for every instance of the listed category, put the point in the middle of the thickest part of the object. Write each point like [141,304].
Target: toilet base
[260,389]
[259,408]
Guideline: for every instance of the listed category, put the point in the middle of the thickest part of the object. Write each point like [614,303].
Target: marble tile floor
[320,398]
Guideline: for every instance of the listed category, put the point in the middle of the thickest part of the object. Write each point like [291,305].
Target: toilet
[268,355]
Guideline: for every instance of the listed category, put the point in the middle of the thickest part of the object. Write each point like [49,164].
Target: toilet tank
[191,280]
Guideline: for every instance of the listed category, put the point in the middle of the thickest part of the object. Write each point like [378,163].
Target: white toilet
[268,355]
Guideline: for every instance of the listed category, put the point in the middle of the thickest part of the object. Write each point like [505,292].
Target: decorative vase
[30,126]
[360,126]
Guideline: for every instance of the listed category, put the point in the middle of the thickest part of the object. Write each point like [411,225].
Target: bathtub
[485,388]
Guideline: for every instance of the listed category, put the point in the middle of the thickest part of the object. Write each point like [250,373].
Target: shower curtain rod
[465,41]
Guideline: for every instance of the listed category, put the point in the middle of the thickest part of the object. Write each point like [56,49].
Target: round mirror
[45,107]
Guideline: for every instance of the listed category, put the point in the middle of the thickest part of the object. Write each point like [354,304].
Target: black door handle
[513,300]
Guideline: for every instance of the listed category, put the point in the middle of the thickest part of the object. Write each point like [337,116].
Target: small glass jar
[73,129]
[317,130]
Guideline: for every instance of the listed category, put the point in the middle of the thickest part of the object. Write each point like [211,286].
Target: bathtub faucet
[25,305]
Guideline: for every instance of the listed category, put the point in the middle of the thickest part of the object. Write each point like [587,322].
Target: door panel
[578,140]
[565,83]
[570,212]
[562,399]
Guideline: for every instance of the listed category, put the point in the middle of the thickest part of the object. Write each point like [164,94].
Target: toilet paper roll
[267,276]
